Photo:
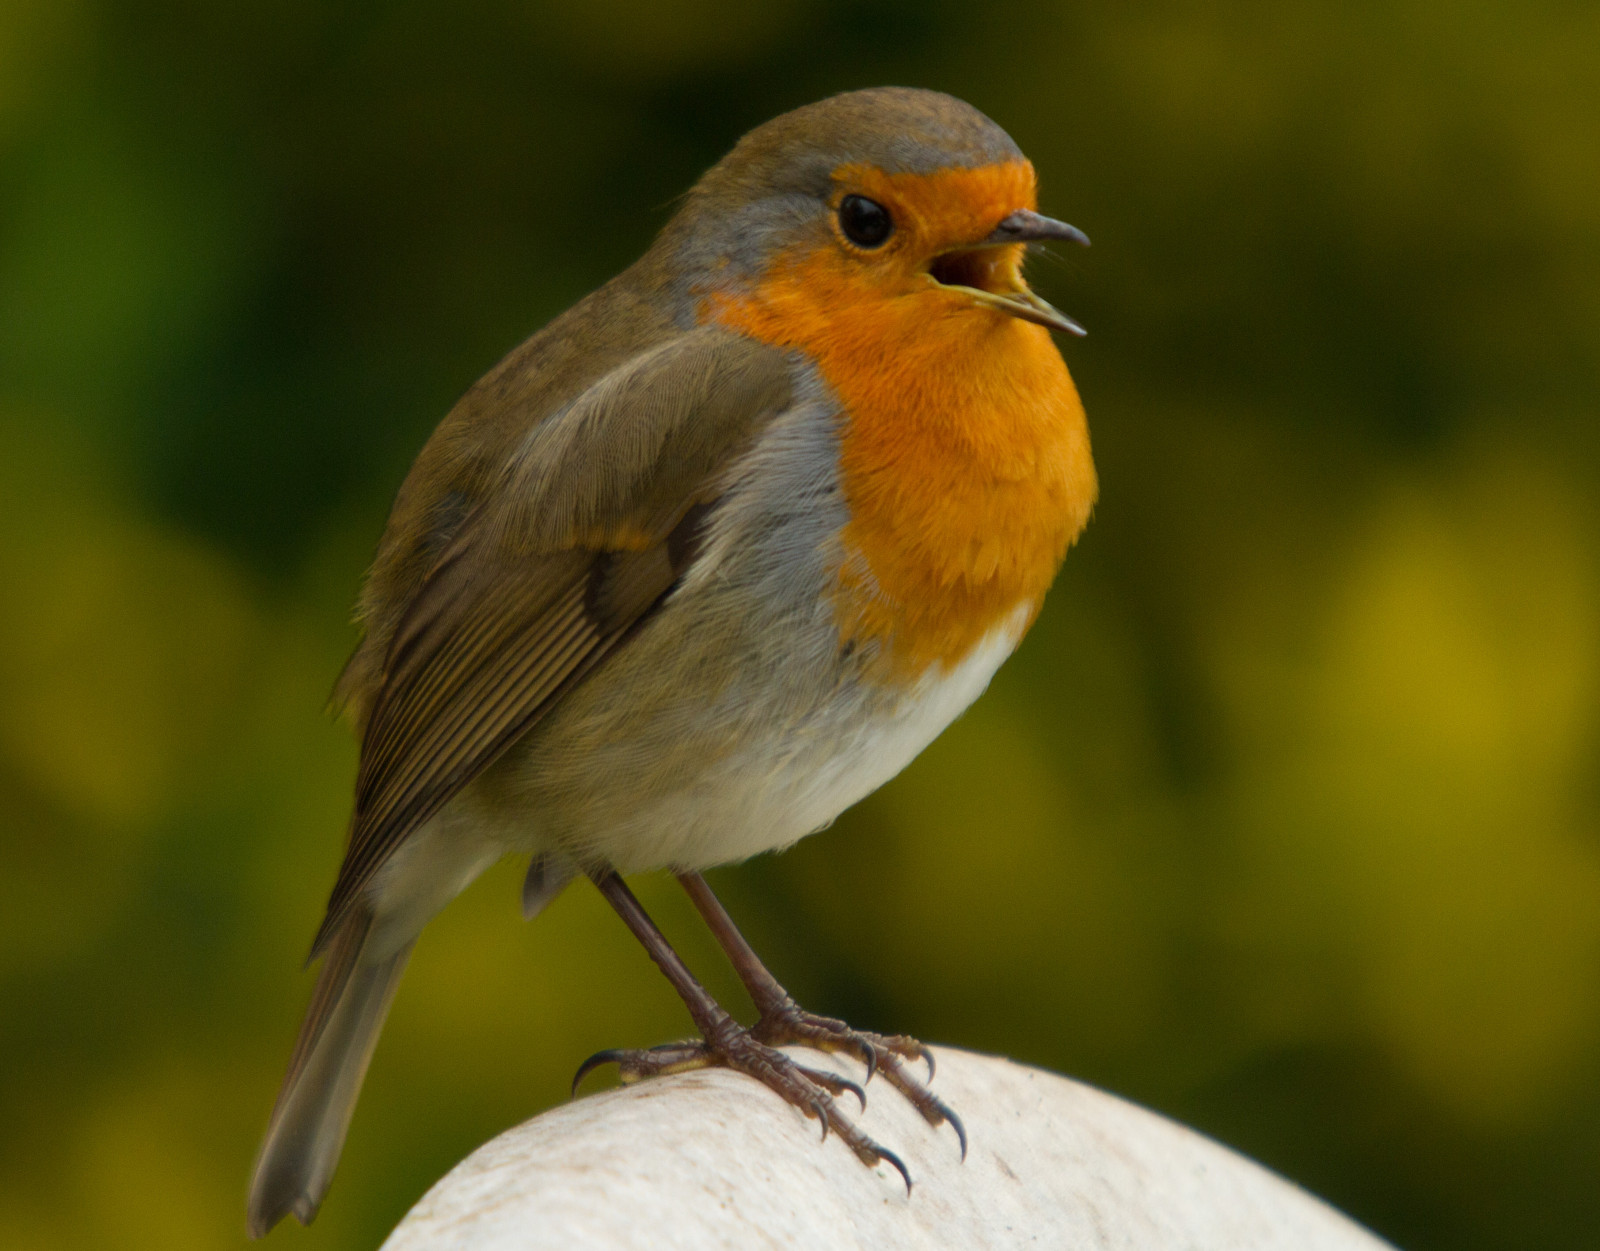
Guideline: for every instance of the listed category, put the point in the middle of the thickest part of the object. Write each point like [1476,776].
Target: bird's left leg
[724,1042]
[784,1023]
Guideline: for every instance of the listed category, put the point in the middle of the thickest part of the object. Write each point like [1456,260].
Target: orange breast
[964,453]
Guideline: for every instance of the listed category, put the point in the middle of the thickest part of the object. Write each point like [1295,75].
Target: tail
[330,1058]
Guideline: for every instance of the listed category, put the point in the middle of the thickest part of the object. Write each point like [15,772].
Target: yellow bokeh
[1418,817]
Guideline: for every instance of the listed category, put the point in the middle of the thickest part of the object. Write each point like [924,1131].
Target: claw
[869,1057]
[894,1161]
[821,1110]
[597,1060]
[834,1084]
[961,1130]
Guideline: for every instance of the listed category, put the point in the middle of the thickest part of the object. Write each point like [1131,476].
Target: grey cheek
[735,249]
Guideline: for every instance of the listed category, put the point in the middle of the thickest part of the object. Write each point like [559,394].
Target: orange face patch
[964,452]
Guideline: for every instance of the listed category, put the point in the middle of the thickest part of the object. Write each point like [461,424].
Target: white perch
[712,1160]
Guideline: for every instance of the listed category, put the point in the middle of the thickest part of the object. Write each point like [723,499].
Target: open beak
[986,276]
[1026,226]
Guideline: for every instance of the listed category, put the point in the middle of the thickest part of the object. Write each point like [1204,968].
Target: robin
[702,563]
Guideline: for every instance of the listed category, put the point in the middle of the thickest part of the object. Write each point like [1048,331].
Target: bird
[703,562]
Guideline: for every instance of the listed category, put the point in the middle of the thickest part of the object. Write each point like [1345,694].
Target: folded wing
[585,534]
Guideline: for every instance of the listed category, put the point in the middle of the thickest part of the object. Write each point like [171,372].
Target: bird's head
[886,194]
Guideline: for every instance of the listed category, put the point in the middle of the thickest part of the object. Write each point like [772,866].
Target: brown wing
[588,530]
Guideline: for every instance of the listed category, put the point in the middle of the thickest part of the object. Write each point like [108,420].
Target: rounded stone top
[712,1160]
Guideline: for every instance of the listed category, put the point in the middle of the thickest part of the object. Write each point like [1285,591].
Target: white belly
[773,793]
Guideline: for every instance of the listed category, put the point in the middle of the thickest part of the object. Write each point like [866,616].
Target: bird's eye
[865,222]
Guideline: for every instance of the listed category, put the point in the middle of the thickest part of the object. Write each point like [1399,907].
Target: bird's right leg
[783,1022]
[723,1041]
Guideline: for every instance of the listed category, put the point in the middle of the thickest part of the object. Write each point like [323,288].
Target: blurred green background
[1286,818]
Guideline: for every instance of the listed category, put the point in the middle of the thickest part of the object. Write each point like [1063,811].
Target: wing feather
[547,576]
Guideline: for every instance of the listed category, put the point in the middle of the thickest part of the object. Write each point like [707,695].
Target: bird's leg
[784,1023]
[724,1042]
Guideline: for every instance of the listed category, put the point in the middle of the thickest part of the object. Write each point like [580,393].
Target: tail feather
[330,1058]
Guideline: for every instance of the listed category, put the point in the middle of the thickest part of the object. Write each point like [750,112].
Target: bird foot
[733,1047]
[789,1025]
